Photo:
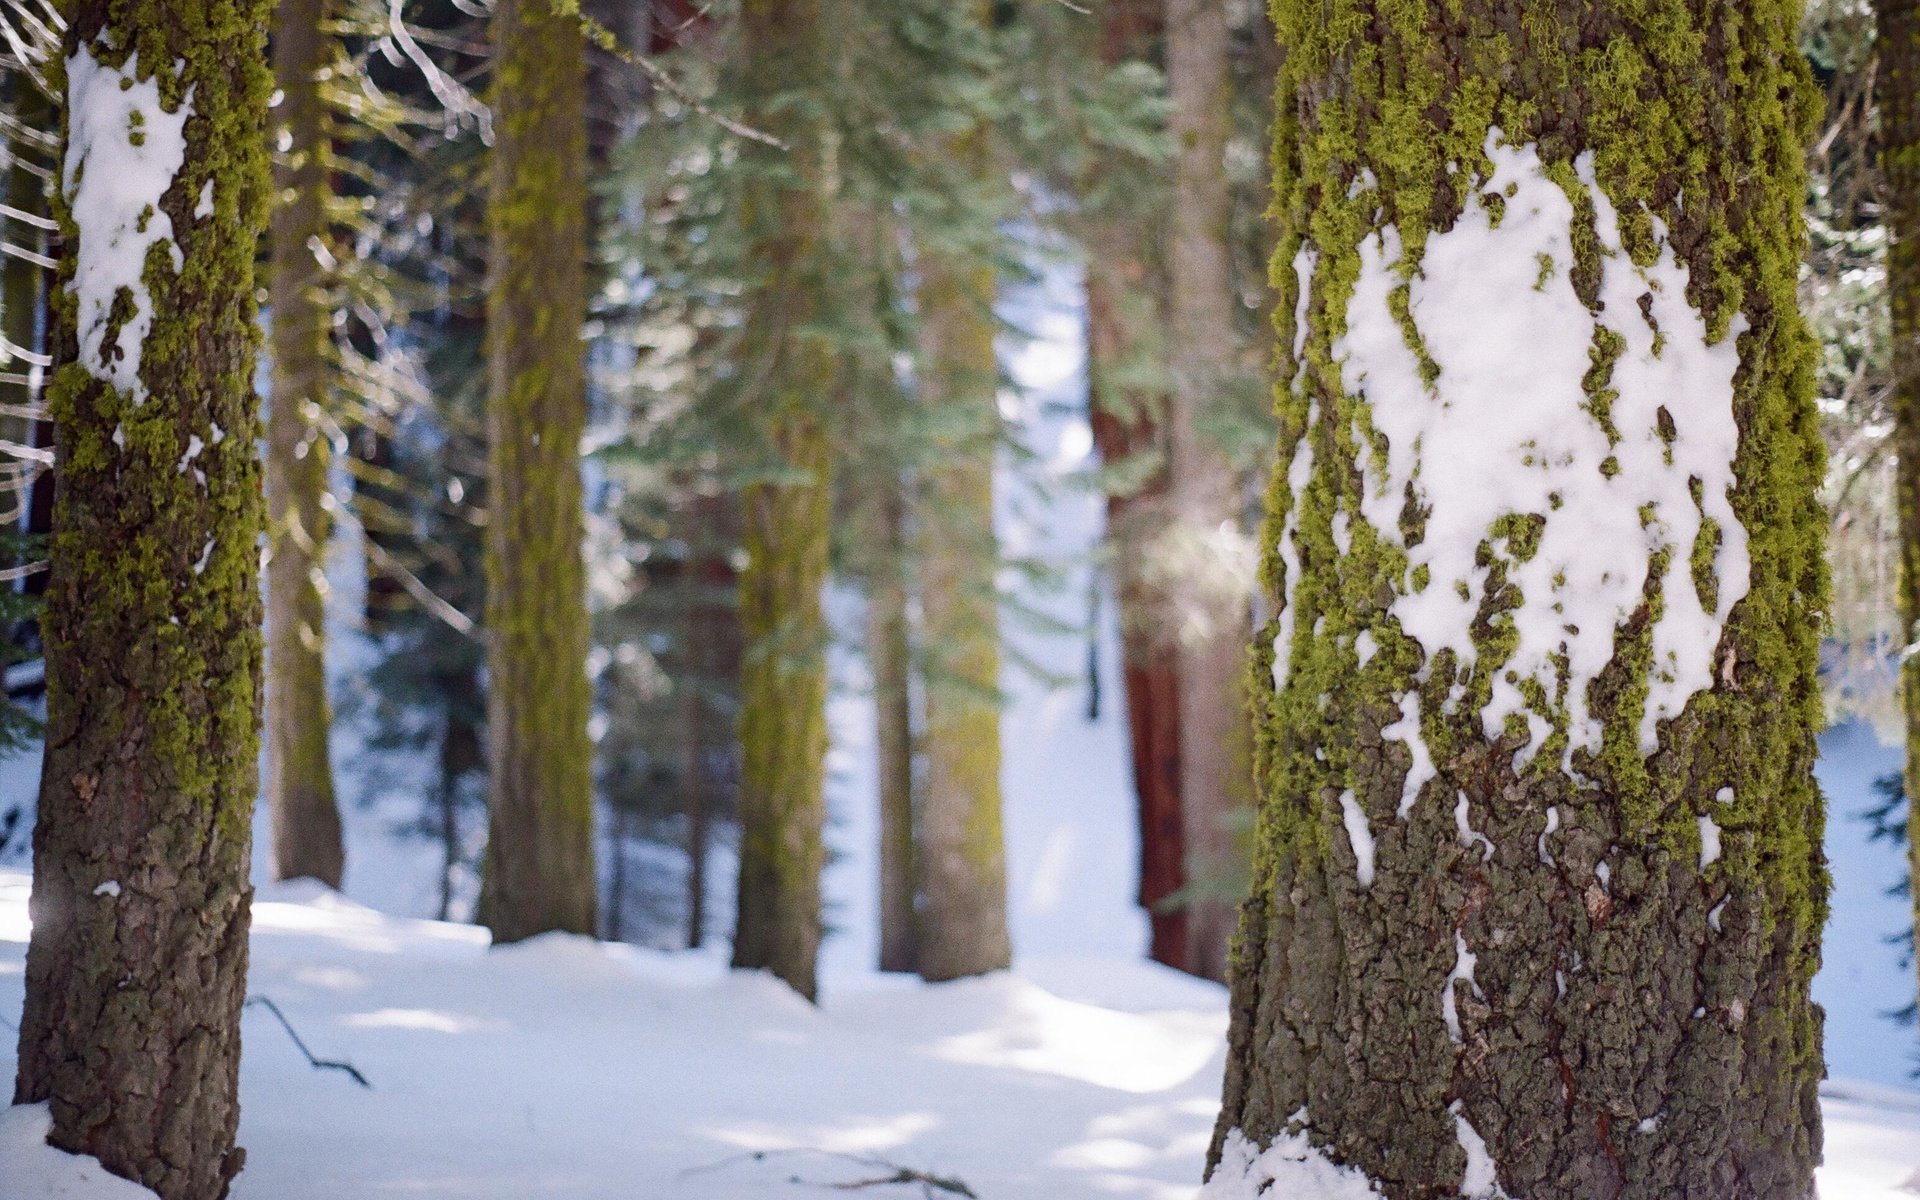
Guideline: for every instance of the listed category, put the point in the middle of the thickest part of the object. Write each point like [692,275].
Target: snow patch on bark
[1507,430]
[1481,1180]
[1290,1166]
[123,151]
[1360,835]
[1298,474]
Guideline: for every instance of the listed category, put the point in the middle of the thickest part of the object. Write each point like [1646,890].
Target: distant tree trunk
[889,648]
[1898,86]
[1540,884]
[306,819]
[693,789]
[539,872]
[1203,536]
[783,680]
[460,756]
[137,966]
[1126,313]
[962,861]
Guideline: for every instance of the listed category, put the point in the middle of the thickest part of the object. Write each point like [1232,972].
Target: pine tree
[1540,888]
[539,872]
[1203,534]
[1898,87]
[306,819]
[792,370]
[137,967]
[962,861]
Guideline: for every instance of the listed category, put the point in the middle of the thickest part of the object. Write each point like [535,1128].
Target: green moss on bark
[540,863]
[131,1025]
[1696,125]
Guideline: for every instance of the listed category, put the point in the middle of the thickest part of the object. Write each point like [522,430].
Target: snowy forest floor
[564,1069]
[567,1069]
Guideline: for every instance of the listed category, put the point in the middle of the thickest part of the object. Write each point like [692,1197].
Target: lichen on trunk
[137,966]
[539,872]
[1540,883]
[300,797]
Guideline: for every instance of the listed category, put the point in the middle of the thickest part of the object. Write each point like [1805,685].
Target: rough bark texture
[1210,643]
[306,819]
[1898,98]
[889,648]
[963,865]
[137,967]
[783,680]
[539,870]
[1637,1022]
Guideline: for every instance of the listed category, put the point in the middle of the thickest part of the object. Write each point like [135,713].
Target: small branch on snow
[931,1186]
[316,1063]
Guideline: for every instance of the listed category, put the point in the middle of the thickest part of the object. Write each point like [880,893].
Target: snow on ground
[568,1070]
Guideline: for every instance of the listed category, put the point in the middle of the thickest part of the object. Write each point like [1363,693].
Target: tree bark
[1540,885]
[137,966]
[1126,310]
[889,648]
[1897,85]
[306,818]
[1212,630]
[783,680]
[540,856]
[962,862]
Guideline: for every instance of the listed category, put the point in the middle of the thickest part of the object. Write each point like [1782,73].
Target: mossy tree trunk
[962,862]
[1898,99]
[1540,885]
[1126,310]
[783,681]
[1203,535]
[306,819]
[890,652]
[137,966]
[539,872]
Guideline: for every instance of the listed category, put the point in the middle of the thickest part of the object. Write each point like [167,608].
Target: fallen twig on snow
[316,1063]
[928,1183]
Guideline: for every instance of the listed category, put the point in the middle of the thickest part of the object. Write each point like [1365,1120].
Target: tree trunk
[540,874]
[306,819]
[783,678]
[1540,884]
[962,861]
[137,966]
[1126,310]
[1898,98]
[890,650]
[1204,535]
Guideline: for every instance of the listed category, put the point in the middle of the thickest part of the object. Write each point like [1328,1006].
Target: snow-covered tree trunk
[137,966]
[306,819]
[1540,885]
[539,869]
[783,682]
[1203,535]
[962,860]
[1898,99]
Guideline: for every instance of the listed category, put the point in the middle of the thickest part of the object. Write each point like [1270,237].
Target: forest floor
[568,1069]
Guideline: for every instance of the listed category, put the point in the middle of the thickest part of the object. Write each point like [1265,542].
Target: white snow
[114,187]
[110,888]
[32,1170]
[1464,961]
[1481,1178]
[1407,731]
[203,208]
[1299,472]
[1553,826]
[1709,843]
[1289,1168]
[1467,834]
[1359,835]
[1502,434]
